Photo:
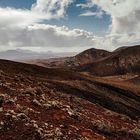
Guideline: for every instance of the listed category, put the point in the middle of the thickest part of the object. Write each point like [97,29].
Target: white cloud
[98,14]
[10,17]
[118,8]
[21,27]
[53,8]
[41,10]
[46,36]
[125,16]
[88,4]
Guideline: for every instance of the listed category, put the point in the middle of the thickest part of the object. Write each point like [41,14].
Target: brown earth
[85,57]
[98,62]
[122,61]
[38,103]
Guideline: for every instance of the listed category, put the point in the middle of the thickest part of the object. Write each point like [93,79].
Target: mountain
[98,62]
[23,55]
[88,56]
[122,61]
[17,54]
[121,48]
[56,103]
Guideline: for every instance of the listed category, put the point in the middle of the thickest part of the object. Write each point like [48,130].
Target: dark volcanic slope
[40,104]
[98,62]
[123,61]
[90,55]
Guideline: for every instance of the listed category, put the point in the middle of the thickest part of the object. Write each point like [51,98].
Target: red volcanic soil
[38,103]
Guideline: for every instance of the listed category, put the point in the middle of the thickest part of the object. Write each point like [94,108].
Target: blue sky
[93,24]
[17,3]
[62,25]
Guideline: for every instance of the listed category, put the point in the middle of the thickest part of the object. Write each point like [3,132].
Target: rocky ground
[37,103]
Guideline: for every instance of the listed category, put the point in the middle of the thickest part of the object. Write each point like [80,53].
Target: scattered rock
[1,109]
[135,131]
[23,117]
[11,101]
[33,91]
[58,132]
[30,91]
[104,127]
[73,113]
[39,91]
[36,102]
[1,102]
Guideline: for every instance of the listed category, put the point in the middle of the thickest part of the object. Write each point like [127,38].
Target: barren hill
[90,55]
[85,57]
[123,61]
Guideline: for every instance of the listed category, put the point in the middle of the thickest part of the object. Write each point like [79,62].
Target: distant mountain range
[95,61]
[27,55]
[98,62]
[85,57]
[121,61]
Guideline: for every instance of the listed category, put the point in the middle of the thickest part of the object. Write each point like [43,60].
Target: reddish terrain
[38,103]
[122,61]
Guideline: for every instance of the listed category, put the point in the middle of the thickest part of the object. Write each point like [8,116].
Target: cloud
[23,28]
[88,4]
[98,14]
[125,20]
[10,17]
[46,36]
[53,8]
[41,10]
[125,14]
[118,8]
[113,41]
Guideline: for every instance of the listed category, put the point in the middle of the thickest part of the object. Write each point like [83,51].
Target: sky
[68,25]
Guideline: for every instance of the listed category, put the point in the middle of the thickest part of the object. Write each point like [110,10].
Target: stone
[36,102]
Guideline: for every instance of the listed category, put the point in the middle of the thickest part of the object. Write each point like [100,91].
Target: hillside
[38,103]
[126,60]
[90,55]
[85,57]
[98,62]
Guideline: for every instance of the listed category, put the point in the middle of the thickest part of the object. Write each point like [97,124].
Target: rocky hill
[90,55]
[126,60]
[85,57]
[98,62]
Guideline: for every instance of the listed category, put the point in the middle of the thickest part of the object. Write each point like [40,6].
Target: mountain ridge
[123,61]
